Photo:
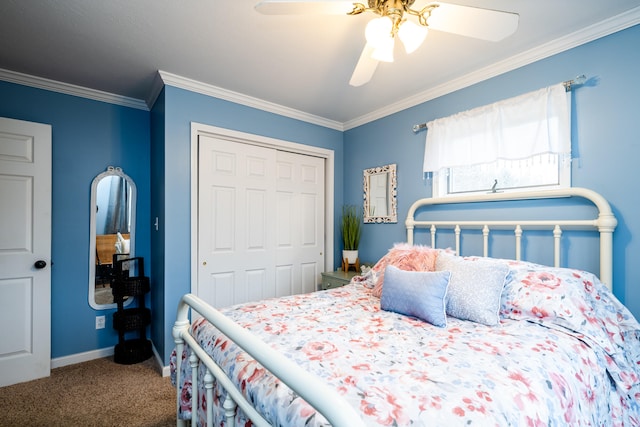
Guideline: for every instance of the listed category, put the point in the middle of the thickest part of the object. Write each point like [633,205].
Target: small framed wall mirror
[112,231]
[380,203]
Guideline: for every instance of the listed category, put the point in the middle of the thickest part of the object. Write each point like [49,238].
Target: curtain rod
[568,85]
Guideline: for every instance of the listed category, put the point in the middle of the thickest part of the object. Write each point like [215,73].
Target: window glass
[538,172]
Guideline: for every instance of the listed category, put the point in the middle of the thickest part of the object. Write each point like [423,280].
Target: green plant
[350,227]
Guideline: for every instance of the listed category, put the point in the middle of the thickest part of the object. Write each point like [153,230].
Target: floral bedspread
[531,370]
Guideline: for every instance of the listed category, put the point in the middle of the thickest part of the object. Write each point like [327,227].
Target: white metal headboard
[605,223]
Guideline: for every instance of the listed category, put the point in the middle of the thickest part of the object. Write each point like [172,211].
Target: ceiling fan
[409,20]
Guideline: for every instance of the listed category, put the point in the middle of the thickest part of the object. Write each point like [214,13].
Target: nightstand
[335,279]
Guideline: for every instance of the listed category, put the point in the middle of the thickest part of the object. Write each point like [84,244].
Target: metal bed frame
[315,392]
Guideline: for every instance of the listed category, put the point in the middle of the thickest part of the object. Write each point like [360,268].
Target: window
[543,171]
[522,143]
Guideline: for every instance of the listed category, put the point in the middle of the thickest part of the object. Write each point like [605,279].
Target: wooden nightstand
[335,279]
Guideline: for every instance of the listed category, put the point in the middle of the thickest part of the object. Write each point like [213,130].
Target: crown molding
[586,35]
[593,32]
[69,89]
[238,98]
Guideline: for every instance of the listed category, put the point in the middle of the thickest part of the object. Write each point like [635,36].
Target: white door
[260,222]
[236,231]
[25,251]
[300,223]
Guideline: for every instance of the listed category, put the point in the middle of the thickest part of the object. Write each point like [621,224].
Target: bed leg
[178,328]
[208,385]
[229,410]
[179,348]
[193,361]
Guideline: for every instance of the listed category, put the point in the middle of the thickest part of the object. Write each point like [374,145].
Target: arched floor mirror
[112,231]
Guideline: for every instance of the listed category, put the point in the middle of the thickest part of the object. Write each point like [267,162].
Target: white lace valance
[517,128]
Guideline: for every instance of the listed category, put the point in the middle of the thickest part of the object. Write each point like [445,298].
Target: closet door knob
[40,264]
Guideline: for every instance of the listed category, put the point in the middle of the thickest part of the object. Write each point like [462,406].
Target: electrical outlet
[100,322]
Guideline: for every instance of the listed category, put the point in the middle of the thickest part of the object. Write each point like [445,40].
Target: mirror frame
[392,201]
[111,171]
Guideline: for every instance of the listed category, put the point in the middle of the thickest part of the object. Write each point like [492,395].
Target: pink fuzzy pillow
[405,257]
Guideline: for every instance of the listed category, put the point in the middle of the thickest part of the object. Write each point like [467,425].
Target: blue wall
[157,154]
[87,136]
[605,114]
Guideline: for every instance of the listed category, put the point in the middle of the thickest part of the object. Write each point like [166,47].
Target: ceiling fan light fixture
[393,17]
[379,35]
[378,31]
[412,35]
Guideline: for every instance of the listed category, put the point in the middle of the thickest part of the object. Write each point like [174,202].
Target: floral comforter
[566,352]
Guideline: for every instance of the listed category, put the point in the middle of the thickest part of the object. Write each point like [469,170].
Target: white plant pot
[350,256]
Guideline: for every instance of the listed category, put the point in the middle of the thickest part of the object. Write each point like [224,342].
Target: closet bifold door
[260,222]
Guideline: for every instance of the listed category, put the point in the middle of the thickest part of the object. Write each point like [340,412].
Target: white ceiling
[299,63]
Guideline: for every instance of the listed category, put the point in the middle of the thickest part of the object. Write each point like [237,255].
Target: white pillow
[475,287]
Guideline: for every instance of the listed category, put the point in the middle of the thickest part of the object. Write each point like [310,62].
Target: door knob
[40,264]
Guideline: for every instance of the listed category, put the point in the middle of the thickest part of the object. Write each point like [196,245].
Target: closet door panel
[300,180]
[236,189]
[285,280]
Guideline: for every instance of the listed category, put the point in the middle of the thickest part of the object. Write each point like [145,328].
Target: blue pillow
[419,294]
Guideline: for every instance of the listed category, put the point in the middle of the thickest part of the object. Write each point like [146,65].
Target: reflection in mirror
[380,203]
[113,220]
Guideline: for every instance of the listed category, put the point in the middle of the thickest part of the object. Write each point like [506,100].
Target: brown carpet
[95,393]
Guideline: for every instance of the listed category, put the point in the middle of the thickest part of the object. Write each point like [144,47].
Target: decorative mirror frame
[111,171]
[392,203]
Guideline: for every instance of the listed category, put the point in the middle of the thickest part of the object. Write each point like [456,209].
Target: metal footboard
[309,387]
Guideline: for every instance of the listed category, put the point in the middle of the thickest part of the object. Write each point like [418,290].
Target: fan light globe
[378,31]
[379,35]
[412,35]
[383,53]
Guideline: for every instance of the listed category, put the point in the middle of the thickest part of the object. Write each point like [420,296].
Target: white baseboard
[72,359]
[164,370]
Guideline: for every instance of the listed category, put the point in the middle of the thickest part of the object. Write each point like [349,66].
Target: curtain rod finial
[577,81]
[418,128]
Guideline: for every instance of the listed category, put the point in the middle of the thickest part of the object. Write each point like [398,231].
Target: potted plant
[350,233]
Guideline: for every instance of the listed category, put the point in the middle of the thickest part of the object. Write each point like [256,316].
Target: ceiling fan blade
[304,7]
[484,24]
[365,67]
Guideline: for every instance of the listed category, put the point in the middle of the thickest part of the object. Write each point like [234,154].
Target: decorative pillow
[475,287]
[573,299]
[577,303]
[419,294]
[405,257]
